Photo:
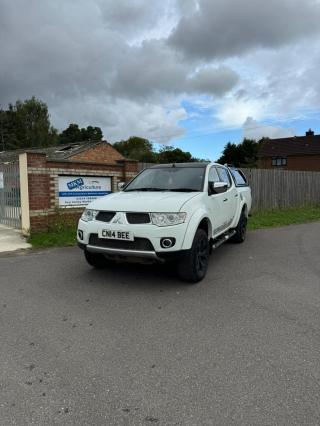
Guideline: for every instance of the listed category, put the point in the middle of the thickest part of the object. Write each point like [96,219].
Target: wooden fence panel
[273,189]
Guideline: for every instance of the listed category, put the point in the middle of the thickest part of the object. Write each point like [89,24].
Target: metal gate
[10,205]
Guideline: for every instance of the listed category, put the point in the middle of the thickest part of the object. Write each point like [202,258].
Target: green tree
[230,154]
[169,154]
[74,134]
[71,134]
[8,138]
[142,150]
[26,124]
[92,133]
[136,148]
[249,153]
[242,155]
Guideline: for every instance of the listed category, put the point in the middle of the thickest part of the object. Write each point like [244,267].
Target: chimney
[310,133]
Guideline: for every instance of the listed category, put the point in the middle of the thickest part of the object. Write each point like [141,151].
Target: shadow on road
[134,275]
[149,276]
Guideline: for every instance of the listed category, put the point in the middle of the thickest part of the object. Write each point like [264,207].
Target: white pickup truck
[169,212]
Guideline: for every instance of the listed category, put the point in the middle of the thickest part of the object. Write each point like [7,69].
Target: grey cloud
[223,28]
[133,16]
[186,7]
[288,83]
[54,57]
[121,118]
[45,56]
[149,69]
[216,81]
[155,69]
[241,94]
[108,63]
[252,129]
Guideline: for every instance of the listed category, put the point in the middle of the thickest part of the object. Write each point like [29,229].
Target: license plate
[112,234]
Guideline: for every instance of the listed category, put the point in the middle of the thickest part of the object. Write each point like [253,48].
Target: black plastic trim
[172,255]
[105,216]
[138,218]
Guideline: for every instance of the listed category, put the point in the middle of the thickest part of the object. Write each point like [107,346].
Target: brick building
[295,153]
[97,152]
[43,172]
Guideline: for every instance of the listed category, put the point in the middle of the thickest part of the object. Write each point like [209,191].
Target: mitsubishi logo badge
[118,219]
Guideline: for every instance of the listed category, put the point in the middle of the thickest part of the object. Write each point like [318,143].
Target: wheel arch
[206,225]
[242,208]
[245,209]
[198,220]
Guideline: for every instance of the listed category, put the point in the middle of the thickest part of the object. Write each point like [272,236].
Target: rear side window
[239,177]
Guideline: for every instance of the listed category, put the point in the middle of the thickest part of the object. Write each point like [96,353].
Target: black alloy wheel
[241,229]
[96,260]
[193,266]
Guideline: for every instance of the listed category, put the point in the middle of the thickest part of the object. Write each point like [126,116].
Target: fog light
[80,234]
[167,242]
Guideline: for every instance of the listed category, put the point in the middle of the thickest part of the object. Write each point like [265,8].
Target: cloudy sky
[189,73]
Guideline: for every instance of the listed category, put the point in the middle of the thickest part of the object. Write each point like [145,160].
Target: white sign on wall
[1,180]
[77,191]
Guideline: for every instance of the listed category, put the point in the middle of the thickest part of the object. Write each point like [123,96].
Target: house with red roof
[294,153]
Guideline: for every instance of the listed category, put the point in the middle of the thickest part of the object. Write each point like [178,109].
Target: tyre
[193,266]
[96,260]
[241,229]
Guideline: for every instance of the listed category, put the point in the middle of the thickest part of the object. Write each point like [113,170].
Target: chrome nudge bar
[122,252]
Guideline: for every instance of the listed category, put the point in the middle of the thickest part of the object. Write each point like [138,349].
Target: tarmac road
[135,346]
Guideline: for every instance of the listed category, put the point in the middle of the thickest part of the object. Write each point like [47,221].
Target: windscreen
[181,179]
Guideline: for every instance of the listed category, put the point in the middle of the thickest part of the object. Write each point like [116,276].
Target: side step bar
[222,239]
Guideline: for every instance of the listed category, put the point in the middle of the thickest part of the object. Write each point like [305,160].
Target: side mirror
[217,187]
[121,185]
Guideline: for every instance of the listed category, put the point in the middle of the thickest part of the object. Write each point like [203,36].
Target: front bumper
[149,232]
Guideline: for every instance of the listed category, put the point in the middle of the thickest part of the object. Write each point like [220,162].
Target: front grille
[135,218]
[142,244]
[105,216]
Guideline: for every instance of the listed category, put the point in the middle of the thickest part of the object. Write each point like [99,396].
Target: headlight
[168,219]
[89,215]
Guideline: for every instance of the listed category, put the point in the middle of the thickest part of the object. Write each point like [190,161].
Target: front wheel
[193,266]
[96,260]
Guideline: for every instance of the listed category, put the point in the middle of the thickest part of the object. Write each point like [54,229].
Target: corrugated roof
[286,147]
[58,152]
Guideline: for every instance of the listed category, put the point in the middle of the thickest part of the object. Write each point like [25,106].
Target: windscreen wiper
[183,190]
[146,189]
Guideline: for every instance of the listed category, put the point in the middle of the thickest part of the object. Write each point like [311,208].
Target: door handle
[226,199]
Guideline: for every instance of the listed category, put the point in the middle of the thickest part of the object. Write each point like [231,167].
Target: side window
[224,176]
[239,177]
[213,175]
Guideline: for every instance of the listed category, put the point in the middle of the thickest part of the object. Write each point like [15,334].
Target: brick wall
[43,183]
[305,162]
[102,153]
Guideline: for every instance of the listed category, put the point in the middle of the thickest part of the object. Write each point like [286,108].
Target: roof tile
[285,147]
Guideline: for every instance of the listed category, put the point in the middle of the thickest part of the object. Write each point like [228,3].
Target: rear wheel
[241,229]
[193,266]
[96,260]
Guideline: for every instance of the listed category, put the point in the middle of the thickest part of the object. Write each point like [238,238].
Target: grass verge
[283,217]
[66,236]
[54,238]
